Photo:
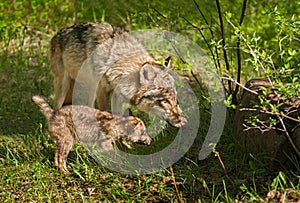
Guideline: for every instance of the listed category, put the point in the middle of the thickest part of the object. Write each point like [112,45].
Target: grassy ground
[26,152]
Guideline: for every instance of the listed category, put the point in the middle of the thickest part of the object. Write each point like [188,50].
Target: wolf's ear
[147,75]
[167,64]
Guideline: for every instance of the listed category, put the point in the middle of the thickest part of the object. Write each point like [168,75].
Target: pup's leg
[63,147]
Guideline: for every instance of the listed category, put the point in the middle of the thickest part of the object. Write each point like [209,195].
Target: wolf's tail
[43,105]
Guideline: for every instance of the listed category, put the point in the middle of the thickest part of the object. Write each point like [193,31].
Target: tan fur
[91,126]
[106,60]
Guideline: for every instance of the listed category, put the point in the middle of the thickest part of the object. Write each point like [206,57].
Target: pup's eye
[164,101]
[148,97]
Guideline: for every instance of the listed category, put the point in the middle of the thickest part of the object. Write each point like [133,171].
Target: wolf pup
[109,60]
[89,126]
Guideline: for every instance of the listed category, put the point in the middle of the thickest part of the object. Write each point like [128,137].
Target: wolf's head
[161,102]
[157,94]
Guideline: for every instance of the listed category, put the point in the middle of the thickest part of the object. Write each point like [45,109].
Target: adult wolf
[109,60]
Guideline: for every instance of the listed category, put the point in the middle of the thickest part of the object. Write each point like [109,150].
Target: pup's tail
[43,105]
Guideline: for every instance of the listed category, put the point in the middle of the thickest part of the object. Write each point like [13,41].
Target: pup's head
[161,102]
[136,131]
[139,132]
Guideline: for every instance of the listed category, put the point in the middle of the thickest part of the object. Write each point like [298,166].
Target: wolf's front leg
[61,87]
[102,98]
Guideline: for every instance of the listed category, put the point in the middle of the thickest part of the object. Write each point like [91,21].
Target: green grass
[26,152]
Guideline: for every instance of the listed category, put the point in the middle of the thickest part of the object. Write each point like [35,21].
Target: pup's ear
[147,75]
[167,63]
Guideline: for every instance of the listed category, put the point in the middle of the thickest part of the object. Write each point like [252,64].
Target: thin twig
[238,44]
[195,77]
[175,185]
[174,47]
[294,128]
[288,135]
[211,32]
[222,163]
[270,113]
[224,43]
[239,84]
[156,24]
[215,58]
[205,40]
[202,15]
[211,51]
[263,128]
[159,13]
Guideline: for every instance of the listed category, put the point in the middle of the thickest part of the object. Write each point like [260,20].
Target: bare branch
[294,128]
[243,12]
[239,60]
[202,15]
[150,16]
[263,128]
[215,56]
[224,43]
[175,185]
[270,113]
[174,47]
[239,84]
[204,38]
